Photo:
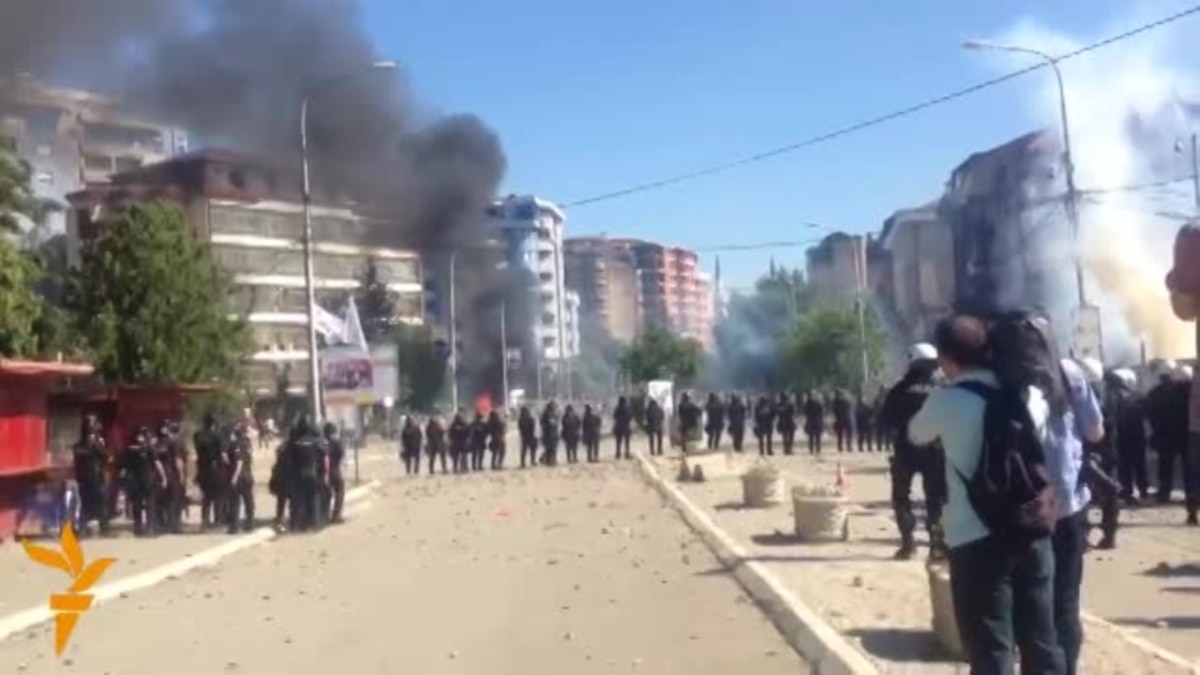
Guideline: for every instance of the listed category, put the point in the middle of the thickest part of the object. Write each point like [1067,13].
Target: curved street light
[1069,164]
[314,370]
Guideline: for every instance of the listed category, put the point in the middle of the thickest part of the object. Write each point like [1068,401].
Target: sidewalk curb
[809,634]
[26,619]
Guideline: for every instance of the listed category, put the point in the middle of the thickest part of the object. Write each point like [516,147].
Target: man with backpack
[1001,506]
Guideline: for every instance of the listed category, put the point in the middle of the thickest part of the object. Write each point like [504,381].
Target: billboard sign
[349,376]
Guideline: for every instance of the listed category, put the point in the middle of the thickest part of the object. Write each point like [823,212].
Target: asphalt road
[572,570]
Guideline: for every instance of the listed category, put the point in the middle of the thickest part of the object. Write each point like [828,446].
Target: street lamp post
[314,368]
[453,336]
[1069,164]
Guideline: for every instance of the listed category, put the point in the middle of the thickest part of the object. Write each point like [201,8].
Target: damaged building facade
[251,215]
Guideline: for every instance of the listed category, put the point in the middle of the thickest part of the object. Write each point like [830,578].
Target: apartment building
[72,138]
[673,291]
[251,214]
[530,230]
[606,279]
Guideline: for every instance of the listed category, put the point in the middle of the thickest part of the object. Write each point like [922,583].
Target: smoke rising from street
[1125,113]
[232,73]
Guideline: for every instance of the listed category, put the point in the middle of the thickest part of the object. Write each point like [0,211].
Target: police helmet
[1127,377]
[1183,373]
[1092,369]
[922,351]
[330,429]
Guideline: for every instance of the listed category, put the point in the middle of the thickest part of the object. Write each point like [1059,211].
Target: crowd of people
[148,480]
[1015,445]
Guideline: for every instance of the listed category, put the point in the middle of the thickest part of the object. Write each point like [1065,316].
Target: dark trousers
[844,440]
[623,438]
[550,456]
[337,496]
[92,505]
[143,505]
[1168,454]
[528,449]
[304,511]
[765,439]
[714,438]
[434,455]
[738,435]
[906,463]
[788,437]
[1107,499]
[572,447]
[240,498]
[498,452]
[171,508]
[1070,543]
[412,463]
[1132,470]
[210,501]
[591,445]
[656,439]
[865,436]
[1005,590]
[814,442]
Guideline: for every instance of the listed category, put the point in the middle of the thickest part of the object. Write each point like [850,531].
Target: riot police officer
[655,418]
[1167,412]
[902,402]
[623,426]
[174,497]
[550,433]
[479,441]
[283,477]
[460,438]
[90,459]
[142,477]
[497,439]
[306,450]
[814,422]
[1101,458]
[209,444]
[572,433]
[737,421]
[335,458]
[864,424]
[714,425]
[239,486]
[591,433]
[527,429]
[764,425]
[843,426]
[1130,435]
[435,442]
[689,420]
[785,422]
[410,447]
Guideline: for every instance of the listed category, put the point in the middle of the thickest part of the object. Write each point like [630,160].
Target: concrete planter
[941,597]
[820,518]
[762,489]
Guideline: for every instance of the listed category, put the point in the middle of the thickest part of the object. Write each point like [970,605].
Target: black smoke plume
[232,73]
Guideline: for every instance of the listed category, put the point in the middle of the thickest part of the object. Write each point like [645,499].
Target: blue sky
[590,97]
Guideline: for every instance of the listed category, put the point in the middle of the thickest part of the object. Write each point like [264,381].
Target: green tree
[750,334]
[825,349]
[151,302]
[422,373]
[659,354]
[18,202]
[376,309]
[20,305]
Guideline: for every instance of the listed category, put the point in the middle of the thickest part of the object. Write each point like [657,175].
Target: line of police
[152,474]
[1115,468]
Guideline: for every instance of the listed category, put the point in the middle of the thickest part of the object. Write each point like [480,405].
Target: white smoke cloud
[1125,118]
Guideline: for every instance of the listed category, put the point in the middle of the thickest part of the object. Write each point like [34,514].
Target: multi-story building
[251,215]
[606,279]
[920,287]
[674,292]
[72,138]
[843,265]
[531,232]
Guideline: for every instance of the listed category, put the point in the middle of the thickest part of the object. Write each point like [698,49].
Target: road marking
[24,620]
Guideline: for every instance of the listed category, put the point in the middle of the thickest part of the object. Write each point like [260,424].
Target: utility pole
[453,336]
[504,353]
[1195,176]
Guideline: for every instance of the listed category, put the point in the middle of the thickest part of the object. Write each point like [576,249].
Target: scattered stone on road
[412,586]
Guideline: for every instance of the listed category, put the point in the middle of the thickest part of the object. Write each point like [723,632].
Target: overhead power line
[878,120]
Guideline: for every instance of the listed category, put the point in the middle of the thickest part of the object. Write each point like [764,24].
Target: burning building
[251,215]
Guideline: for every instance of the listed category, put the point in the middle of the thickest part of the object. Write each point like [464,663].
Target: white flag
[353,334]
[327,324]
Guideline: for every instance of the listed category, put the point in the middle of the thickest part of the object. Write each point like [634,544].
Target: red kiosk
[29,451]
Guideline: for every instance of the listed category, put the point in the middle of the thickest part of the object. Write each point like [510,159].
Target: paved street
[579,570]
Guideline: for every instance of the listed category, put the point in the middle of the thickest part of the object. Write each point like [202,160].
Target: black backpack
[1010,490]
